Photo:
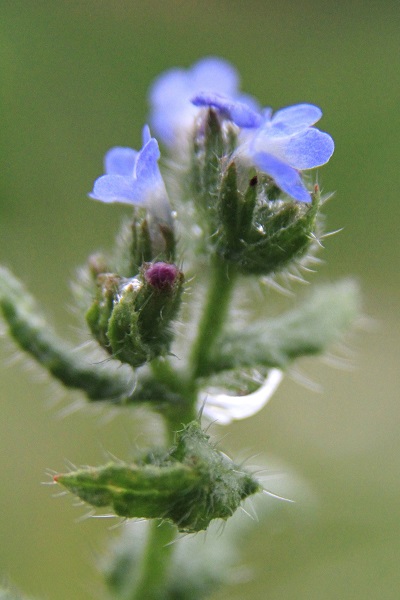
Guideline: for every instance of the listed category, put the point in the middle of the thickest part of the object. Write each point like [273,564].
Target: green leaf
[33,335]
[190,485]
[132,490]
[307,330]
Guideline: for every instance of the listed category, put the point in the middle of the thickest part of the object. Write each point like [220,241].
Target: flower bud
[157,303]
[131,318]
[281,232]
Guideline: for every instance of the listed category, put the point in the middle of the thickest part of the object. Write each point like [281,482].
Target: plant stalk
[216,307]
[150,584]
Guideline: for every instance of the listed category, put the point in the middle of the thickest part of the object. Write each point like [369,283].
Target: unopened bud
[158,303]
[162,276]
[132,318]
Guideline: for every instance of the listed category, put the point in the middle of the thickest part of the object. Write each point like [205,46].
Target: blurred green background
[74,77]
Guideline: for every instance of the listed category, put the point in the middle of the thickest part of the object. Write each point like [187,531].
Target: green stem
[214,314]
[157,555]
[164,372]
[150,584]
[216,306]
[176,415]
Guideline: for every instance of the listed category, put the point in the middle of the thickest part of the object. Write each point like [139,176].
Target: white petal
[224,408]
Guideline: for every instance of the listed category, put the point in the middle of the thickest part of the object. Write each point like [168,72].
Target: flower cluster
[280,145]
[246,167]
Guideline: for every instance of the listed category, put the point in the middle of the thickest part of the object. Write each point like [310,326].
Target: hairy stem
[216,306]
[33,335]
[222,279]
[155,562]
[157,556]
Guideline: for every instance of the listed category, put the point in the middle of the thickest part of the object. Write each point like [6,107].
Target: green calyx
[151,241]
[140,240]
[259,233]
[190,485]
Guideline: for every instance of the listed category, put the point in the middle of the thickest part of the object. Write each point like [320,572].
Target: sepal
[141,245]
[190,485]
[123,339]
[213,142]
[214,150]
[229,209]
[101,310]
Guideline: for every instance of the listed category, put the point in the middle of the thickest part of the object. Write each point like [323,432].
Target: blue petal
[293,119]
[168,87]
[169,97]
[267,113]
[165,124]
[213,73]
[285,177]
[250,102]
[238,112]
[120,161]
[210,73]
[172,112]
[116,188]
[146,135]
[308,150]
[146,164]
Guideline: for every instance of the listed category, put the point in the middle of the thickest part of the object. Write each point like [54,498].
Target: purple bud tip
[162,276]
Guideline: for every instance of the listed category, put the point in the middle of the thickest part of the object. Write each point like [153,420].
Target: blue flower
[285,144]
[134,177]
[173,115]
[280,145]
